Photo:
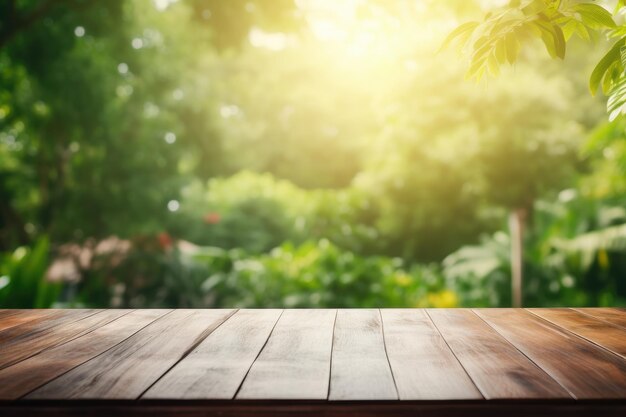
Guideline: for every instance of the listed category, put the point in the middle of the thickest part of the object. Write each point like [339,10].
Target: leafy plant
[497,40]
[23,282]
[314,274]
[318,274]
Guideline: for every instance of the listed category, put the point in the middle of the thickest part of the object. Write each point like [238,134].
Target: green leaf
[571,26]
[616,104]
[512,47]
[492,65]
[612,74]
[534,7]
[552,37]
[463,32]
[559,41]
[614,54]
[500,51]
[594,15]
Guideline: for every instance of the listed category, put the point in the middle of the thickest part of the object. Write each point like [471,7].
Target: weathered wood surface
[586,370]
[497,368]
[217,367]
[360,368]
[131,367]
[295,363]
[612,315]
[31,373]
[17,346]
[423,365]
[607,335]
[313,362]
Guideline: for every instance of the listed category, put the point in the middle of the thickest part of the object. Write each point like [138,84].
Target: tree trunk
[516,227]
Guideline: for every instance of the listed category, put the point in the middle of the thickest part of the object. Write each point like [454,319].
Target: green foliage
[575,257]
[251,128]
[605,149]
[497,40]
[22,278]
[480,273]
[314,274]
[257,212]
[319,274]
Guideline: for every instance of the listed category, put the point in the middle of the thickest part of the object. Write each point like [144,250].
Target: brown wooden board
[216,368]
[295,362]
[423,366]
[286,362]
[498,369]
[29,374]
[12,318]
[71,327]
[600,332]
[40,324]
[131,367]
[359,368]
[612,315]
[584,369]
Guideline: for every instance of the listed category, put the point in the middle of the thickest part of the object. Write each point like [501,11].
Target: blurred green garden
[298,153]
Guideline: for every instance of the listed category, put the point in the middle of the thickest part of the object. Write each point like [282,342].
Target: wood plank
[497,368]
[360,369]
[295,363]
[422,364]
[131,367]
[615,316]
[70,327]
[216,368]
[48,321]
[600,332]
[29,374]
[584,369]
[12,318]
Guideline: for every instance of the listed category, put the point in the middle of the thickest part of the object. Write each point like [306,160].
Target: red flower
[165,240]
[212,218]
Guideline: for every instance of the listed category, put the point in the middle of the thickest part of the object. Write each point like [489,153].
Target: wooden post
[516,228]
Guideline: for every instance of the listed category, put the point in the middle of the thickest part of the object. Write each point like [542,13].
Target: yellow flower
[403,280]
[443,299]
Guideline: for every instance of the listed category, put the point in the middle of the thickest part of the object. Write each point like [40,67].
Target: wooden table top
[313,362]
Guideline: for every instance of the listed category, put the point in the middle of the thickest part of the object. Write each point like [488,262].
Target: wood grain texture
[216,368]
[295,362]
[12,318]
[615,316]
[31,327]
[359,368]
[584,369]
[194,362]
[423,366]
[600,332]
[29,374]
[497,368]
[71,326]
[131,367]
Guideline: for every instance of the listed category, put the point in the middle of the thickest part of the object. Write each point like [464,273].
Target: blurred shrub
[257,212]
[406,212]
[318,274]
[575,257]
[22,278]
[314,274]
